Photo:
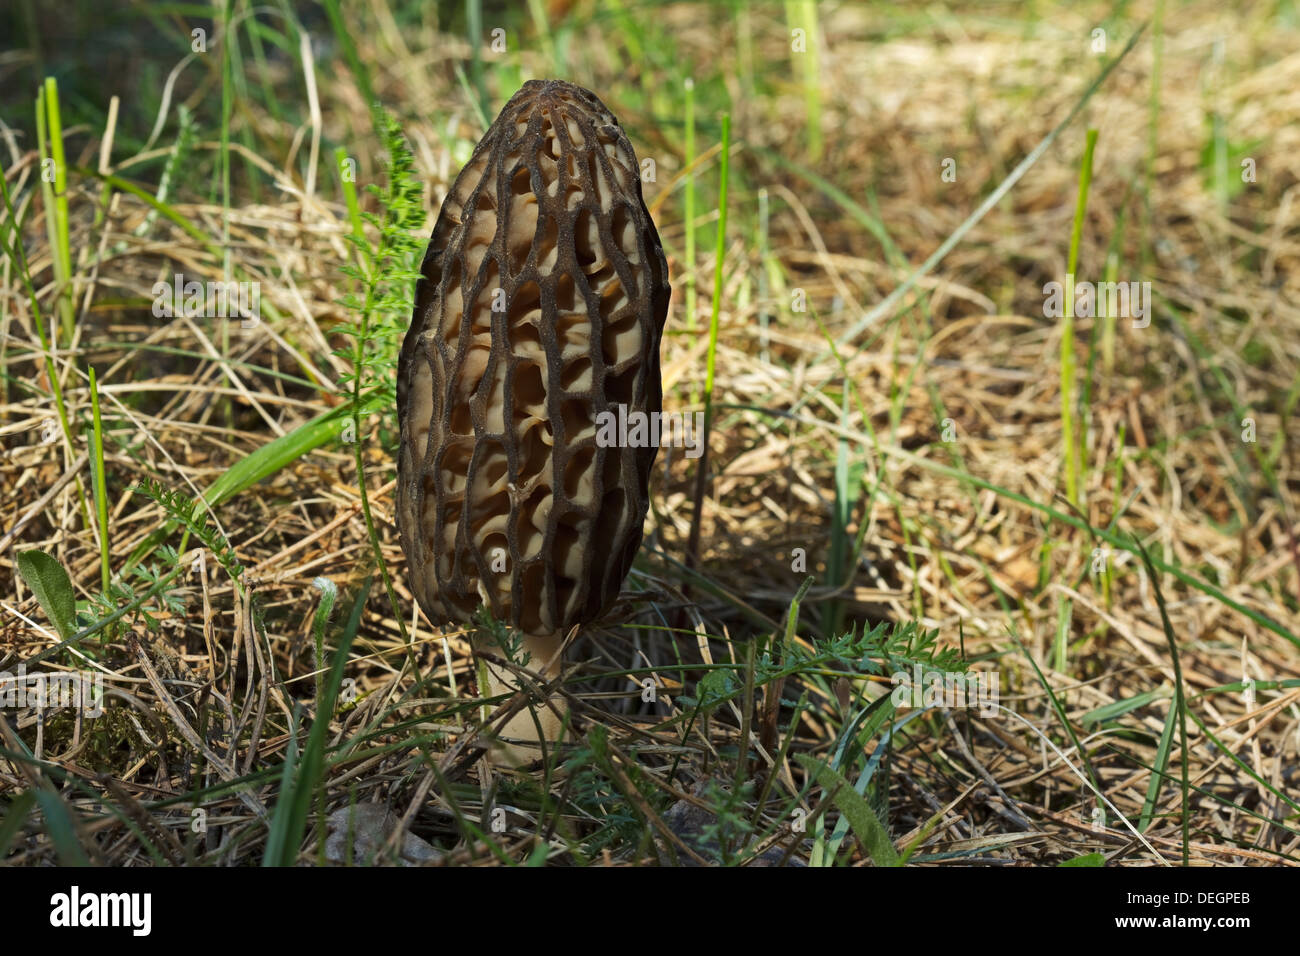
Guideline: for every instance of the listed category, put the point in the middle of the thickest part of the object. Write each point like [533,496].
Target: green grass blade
[1180,703]
[297,796]
[264,462]
[100,489]
[1157,778]
[866,826]
[1071,450]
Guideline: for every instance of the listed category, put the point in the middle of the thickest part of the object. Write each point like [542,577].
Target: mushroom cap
[541,305]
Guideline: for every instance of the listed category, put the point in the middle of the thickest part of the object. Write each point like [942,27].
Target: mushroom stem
[520,743]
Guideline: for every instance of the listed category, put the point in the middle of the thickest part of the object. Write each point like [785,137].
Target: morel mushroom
[541,305]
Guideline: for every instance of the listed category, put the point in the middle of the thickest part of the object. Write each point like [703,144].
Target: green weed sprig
[191,512]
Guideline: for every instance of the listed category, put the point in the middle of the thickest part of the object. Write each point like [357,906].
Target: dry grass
[202,710]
